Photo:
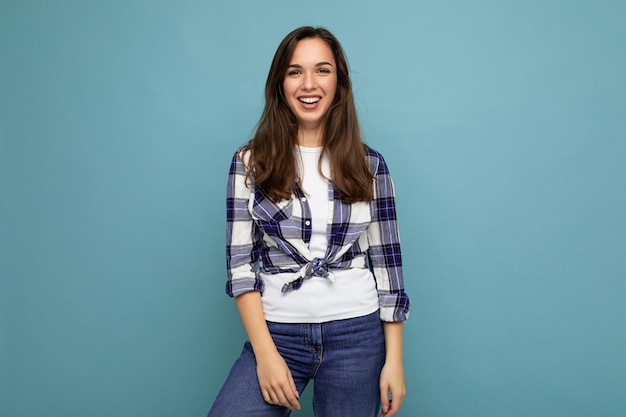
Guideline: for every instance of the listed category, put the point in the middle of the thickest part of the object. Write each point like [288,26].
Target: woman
[312,249]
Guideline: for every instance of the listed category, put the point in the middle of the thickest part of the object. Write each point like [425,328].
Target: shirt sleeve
[384,245]
[242,235]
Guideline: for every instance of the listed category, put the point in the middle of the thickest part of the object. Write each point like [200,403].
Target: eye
[323,70]
[294,72]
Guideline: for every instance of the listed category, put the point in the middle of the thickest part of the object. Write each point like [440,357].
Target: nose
[308,81]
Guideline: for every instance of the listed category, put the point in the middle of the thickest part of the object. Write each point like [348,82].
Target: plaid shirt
[273,237]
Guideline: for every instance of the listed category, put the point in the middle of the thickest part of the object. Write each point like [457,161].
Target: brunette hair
[272,159]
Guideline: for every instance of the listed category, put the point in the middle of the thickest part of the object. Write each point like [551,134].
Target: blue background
[503,122]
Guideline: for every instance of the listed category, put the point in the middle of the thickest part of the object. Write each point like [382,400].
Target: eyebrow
[319,64]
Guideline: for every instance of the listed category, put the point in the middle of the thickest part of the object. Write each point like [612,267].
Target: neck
[310,138]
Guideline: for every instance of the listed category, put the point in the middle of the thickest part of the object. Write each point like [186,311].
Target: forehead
[312,50]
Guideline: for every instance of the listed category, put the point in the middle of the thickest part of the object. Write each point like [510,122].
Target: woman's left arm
[392,386]
[385,261]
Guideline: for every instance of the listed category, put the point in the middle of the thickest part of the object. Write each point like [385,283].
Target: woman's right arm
[245,284]
[275,380]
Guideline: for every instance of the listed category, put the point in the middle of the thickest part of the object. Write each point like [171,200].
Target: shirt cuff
[394,307]
[238,286]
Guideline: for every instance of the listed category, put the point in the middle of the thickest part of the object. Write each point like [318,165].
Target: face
[310,82]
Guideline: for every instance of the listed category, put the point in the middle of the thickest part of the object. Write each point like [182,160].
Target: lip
[309,106]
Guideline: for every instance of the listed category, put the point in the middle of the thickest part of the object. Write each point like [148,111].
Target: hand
[276,382]
[391,381]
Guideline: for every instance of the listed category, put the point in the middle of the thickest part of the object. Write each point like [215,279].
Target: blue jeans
[344,357]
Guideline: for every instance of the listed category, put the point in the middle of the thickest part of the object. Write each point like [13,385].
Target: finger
[397,396]
[292,403]
[296,395]
[293,387]
[267,396]
[384,400]
[276,397]
[280,399]
[390,410]
[282,395]
[288,398]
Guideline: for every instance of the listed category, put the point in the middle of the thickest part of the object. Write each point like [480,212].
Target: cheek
[288,88]
[331,85]
[331,89]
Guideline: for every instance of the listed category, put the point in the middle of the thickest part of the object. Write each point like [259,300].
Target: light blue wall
[504,124]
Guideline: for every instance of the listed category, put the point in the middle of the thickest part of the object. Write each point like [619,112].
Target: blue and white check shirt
[273,237]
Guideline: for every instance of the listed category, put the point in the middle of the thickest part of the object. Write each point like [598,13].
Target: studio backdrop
[504,126]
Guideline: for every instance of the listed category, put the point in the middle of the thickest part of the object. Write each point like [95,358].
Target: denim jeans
[343,357]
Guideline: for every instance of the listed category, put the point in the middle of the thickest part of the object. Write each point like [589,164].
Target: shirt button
[303,199]
[308,223]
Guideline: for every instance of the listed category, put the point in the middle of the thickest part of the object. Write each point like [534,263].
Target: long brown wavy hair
[272,164]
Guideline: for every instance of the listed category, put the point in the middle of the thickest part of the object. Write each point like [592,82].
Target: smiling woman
[313,251]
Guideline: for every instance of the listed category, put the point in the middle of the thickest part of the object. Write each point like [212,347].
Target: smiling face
[310,83]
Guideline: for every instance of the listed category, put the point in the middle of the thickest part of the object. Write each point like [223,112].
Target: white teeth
[309,100]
